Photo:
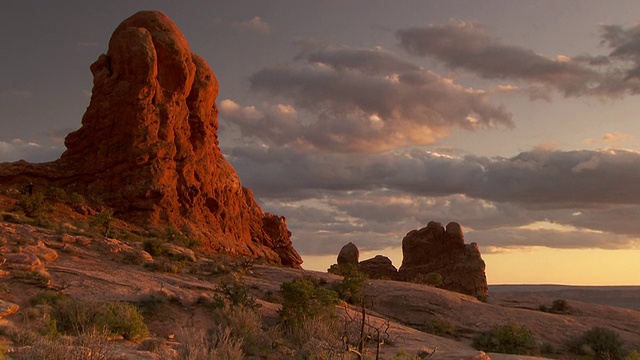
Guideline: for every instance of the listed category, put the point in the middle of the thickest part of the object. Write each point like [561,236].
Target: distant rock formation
[148,147]
[349,254]
[434,249]
[432,252]
[379,267]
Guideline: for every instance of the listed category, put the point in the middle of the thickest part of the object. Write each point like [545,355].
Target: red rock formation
[349,254]
[379,267]
[148,146]
[433,249]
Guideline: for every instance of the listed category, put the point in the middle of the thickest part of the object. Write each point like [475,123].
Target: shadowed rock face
[434,249]
[148,147]
[349,254]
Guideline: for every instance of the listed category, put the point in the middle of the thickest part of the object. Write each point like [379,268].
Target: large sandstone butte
[434,249]
[148,147]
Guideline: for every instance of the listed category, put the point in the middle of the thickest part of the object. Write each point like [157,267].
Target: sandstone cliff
[148,147]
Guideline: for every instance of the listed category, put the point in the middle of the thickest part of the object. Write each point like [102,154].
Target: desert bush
[78,317]
[432,279]
[93,345]
[218,344]
[559,306]
[46,297]
[167,266]
[74,316]
[305,298]
[234,290]
[342,269]
[122,319]
[175,236]
[153,246]
[601,343]
[152,303]
[103,220]
[56,194]
[507,339]
[31,205]
[351,288]
[245,324]
[440,327]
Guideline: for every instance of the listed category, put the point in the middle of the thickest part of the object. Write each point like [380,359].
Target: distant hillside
[621,296]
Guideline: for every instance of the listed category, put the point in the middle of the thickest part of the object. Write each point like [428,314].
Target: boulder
[148,147]
[436,249]
[379,267]
[349,254]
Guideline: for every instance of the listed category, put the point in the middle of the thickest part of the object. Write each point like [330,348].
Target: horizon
[518,121]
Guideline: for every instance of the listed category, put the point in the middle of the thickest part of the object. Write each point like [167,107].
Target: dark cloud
[376,199]
[361,100]
[466,45]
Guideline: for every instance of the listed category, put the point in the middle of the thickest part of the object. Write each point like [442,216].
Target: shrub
[305,298]
[219,344]
[152,303]
[245,325]
[559,306]
[234,290]
[122,319]
[440,327]
[342,269]
[103,220]
[432,279]
[76,316]
[506,339]
[599,342]
[93,345]
[31,205]
[175,236]
[153,246]
[56,194]
[351,288]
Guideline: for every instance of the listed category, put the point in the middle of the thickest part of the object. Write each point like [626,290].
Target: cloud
[18,149]
[255,25]
[374,199]
[342,99]
[608,139]
[467,45]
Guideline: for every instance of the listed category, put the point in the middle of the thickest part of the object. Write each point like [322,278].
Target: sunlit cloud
[362,100]
[609,139]
[256,24]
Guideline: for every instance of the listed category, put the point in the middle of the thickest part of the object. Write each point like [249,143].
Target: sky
[363,120]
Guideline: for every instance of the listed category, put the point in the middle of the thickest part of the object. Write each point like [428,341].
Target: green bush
[122,319]
[103,220]
[305,298]
[440,327]
[507,339]
[559,306]
[76,316]
[351,288]
[31,205]
[342,269]
[236,292]
[153,246]
[599,342]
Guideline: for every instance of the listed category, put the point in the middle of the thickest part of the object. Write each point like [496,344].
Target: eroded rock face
[148,146]
[434,249]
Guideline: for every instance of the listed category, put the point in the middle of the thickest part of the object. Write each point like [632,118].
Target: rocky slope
[93,268]
[148,147]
